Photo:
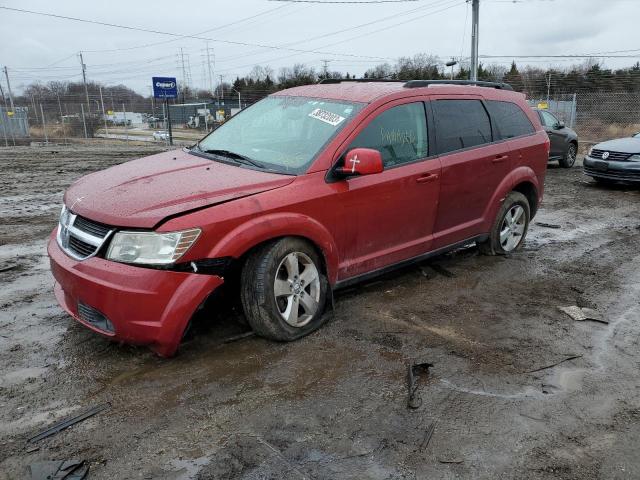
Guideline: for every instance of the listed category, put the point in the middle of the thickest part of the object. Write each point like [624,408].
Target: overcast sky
[44,48]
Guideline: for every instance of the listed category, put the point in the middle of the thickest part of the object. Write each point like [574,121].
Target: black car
[564,141]
[614,160]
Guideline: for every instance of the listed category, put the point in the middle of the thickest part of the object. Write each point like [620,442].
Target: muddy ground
[334,405]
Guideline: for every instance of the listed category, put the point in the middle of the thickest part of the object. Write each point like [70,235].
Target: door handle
[427,177]
[500,158]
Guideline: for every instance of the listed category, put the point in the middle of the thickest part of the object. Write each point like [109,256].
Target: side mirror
[361,161]
[559,125]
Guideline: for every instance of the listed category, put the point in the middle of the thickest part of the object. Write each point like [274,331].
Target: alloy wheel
[512,229]
[571,154]
[297,289]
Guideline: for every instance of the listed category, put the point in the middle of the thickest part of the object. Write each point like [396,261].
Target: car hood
[624,145]
[143,192]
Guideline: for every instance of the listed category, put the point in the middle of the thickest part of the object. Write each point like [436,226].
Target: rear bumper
[143,305]
[620,171]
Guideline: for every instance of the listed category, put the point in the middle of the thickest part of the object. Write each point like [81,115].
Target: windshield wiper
[233,155]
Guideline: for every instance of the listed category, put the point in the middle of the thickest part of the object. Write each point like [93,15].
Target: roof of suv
[367,92]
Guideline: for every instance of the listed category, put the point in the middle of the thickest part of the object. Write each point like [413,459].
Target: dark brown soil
[333,405]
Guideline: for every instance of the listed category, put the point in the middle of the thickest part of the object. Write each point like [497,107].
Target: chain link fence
[595,115]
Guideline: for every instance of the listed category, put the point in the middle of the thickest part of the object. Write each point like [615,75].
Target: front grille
[89,226]
[80,237]
[613,156]
[80,248]
[94,317]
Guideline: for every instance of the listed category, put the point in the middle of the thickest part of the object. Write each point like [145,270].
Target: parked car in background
[614,161]
[161,135]
[564,140]
[308,190]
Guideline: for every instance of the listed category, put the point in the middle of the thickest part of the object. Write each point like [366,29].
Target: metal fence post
[3,117]
[104,115]
[126,125]
[574,108]
[44,126]
[64,131]
[83,122]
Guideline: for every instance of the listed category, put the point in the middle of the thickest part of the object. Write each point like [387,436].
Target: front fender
[517,176]
[263,228]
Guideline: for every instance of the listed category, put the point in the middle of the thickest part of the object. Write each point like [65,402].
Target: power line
[349,29]
[219,27]
[344,1]
[442,2]
[160,32]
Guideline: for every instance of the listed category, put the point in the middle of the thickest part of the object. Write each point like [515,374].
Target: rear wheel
[283,290]
[570,156]
[510,227]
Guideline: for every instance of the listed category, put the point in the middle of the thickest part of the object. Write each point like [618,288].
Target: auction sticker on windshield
[326,117]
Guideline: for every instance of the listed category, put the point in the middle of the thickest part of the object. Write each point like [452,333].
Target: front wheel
[570,156]
[510,227]
[283,290]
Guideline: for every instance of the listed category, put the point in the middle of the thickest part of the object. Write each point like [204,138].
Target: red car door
[389,216]
[472,167]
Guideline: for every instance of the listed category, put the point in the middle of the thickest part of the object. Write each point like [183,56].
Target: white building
[126,118]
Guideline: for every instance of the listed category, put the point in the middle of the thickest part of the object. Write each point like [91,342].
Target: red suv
[308,190]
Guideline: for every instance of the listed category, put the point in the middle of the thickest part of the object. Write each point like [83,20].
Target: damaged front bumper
[126,303]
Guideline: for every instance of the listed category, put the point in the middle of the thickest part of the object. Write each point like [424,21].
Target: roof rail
[328,81]
[479,83]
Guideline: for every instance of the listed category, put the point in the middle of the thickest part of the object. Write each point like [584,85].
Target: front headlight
[64,215]
[151,248]
[634,158]
[590,150]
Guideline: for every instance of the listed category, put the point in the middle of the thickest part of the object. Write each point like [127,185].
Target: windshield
[281,133]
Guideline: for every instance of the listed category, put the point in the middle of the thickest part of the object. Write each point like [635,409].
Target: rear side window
[461,124]
[510,119]
[399,134]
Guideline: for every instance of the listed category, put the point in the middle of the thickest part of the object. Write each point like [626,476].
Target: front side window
[461,124]
[510,119]
[548,120]
[281,133]
[399,134]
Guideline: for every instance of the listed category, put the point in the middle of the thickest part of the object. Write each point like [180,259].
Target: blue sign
[165,87]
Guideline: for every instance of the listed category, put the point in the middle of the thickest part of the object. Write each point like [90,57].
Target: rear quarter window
[509,119]
[461,124]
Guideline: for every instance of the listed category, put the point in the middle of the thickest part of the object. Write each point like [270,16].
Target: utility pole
[475,31]
[184,74]
[209,69]
[84,80]
[325,68]
[221,89]
[6,75]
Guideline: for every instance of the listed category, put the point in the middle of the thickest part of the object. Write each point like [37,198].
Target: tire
[570,156]
[514,203]
[278,304]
